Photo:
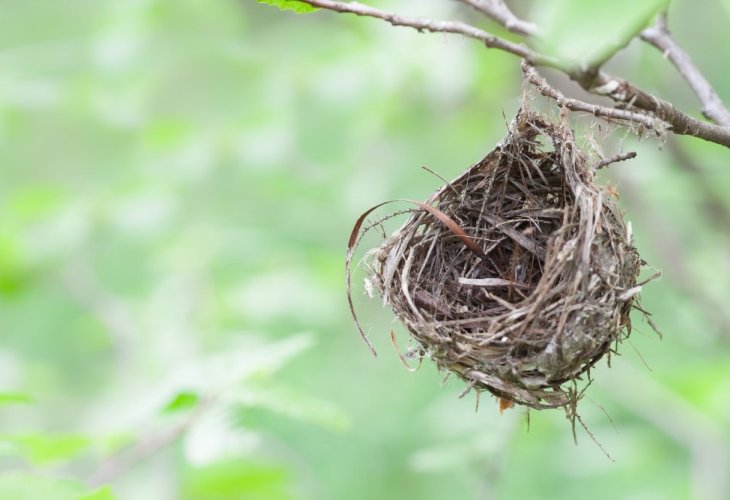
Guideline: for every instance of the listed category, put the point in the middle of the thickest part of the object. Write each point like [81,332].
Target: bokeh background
[178,183]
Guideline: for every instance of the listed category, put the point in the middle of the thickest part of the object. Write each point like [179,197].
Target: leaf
[237,479]
[589,32]
[184,400]
[19,486]
[13,398]
[46,448]
[294,5]
[103,493]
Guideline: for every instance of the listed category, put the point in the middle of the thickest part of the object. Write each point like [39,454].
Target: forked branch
[634,104]
[712,107]
[499,12]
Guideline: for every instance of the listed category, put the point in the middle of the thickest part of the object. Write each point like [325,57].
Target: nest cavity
[519,275]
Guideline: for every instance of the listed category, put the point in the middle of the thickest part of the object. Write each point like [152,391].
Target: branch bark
[592,80]
[545,89]
[423,24]
[680,123]
[659,36]
[499,12]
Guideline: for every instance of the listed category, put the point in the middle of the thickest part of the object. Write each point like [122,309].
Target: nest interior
[519,275]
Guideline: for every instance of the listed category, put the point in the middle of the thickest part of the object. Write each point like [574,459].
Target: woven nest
[519,275]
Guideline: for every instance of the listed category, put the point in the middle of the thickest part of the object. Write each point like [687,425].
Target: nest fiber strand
[519,275]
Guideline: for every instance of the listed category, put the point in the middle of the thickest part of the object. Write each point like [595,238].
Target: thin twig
[545,89]
[498,11]
[592,79]
[659,36]
[627,93]
[424,24]
[616,158]
[598,82]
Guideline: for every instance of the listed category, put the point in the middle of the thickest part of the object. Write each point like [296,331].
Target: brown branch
[423,24]
[680,123]
[619,90]
[615,159]
[498,11]
[592,80]
[545,89]
[597,82]
[712,106]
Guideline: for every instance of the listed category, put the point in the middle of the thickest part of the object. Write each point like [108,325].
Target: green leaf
[184,400]
[237,479]
[103,493]
[19,486]
[46,448]
[589,32]
[13,266]
[13,398]
[298,7]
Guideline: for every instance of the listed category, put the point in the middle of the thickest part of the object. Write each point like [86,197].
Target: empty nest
[519,275]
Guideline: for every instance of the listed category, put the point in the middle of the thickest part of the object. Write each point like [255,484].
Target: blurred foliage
[585,33]
[179,181]
[290,5]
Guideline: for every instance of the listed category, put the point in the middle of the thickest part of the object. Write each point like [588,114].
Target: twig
[659,36]
[598,82]
[593,80]
[615,159]
[545,89]
[498,11]
[625,92]
[423,24]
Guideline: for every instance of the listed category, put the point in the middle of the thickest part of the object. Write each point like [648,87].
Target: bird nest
[519,275]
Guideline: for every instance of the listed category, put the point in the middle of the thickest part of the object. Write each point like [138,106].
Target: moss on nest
[519,275]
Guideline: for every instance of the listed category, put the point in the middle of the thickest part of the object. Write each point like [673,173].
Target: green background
[178,183]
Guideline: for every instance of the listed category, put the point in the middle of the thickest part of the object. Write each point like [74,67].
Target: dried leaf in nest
[519,275]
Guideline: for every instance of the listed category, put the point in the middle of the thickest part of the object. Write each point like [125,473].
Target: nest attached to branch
[519,275]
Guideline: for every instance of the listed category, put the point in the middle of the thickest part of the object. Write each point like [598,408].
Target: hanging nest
[519,275]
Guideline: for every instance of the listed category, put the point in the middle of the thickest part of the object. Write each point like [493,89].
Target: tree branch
[680,123]
[712,106]
[423,24]
[592,80]
[532,76]
[598,82]
[615,159]
[498,11]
